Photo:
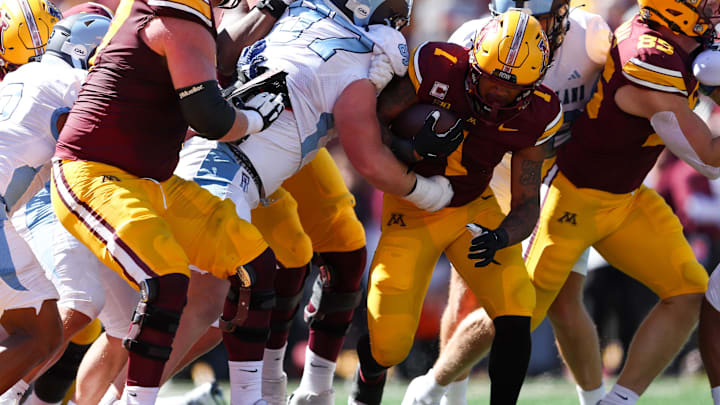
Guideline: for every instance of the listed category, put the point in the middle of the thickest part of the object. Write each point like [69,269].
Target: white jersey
[31,100]
[323,53]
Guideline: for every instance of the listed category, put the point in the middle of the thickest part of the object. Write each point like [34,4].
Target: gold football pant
[636,232]
[411,243]
[313,211]
[142,228]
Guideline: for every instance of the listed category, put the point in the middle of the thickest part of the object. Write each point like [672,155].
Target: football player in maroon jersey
[495,89]
[645,94]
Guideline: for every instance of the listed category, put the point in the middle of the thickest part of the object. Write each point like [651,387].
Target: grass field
[536,391]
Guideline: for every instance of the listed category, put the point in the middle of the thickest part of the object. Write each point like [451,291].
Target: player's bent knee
[345,233]
[158,312]
[713,291]
[391,347]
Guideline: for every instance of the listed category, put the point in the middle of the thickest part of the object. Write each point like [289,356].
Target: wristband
[254,121]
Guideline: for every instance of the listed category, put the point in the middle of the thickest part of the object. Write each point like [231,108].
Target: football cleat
[274,390]
[309,398]
[205,394]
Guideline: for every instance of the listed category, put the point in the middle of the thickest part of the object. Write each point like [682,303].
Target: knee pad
[326,300]
[52,386]
[288,305]
[149,314]
[245,294]
[713,291]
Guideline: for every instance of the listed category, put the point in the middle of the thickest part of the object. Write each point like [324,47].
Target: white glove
[262,110]
[390,54]
[706,66]
[381,71]
[431,193]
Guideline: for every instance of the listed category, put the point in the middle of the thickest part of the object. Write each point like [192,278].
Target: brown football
[409,122]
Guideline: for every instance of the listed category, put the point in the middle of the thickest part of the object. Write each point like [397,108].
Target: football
[410,121]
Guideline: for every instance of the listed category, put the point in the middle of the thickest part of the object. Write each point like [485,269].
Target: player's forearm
[521,220]
[238,33]
[381,169]
[700,138]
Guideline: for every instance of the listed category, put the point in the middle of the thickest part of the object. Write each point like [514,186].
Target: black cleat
[363,393]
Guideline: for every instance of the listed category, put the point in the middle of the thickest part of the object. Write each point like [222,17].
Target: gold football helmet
[688,17]
[25,26]
[513,53]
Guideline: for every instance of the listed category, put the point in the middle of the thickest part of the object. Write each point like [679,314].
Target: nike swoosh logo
[317,365]
[502,128]
[249,371]
[132,394]
[485,198]
[623,398]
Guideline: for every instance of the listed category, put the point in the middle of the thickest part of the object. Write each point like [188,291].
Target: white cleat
[205,394]
[417,392]
[308,398]
[274,391]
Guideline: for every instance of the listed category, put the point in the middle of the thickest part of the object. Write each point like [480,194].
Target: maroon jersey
[438,71]
[128,114]
[89,7]
[611,150]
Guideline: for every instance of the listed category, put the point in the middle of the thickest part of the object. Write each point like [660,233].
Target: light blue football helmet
[395,13]
[75,38]
[553,14]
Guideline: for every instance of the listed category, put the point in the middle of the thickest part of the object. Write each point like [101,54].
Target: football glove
[267,106]
[430,144]
[486,243]
[431,194]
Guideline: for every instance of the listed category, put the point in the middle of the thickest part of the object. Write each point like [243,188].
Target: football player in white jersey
[580,43]
[44,93]
[327,52]
[30,328]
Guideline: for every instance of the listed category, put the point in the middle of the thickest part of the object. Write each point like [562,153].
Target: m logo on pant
[396,219]
[568,217]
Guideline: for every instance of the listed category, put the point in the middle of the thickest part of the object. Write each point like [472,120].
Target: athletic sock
[456,393]
[245,381]
[137,395]
[591,397]
[620,395]
[111,395]
[318,373]
[273,360]
[716,395]
[16,391]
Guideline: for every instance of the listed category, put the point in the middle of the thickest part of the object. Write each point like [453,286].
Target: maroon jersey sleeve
[438,71]
[611,150]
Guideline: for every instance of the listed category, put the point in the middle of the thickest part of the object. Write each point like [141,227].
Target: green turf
[536,391]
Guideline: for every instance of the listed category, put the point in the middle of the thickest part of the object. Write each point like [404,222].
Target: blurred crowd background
[617,303]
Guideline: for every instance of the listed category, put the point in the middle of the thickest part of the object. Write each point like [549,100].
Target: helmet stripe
[516,43]
[32,26]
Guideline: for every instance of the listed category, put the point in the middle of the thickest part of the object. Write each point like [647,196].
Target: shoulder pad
[200,9]
[392,43]
[431,58]
[650,61]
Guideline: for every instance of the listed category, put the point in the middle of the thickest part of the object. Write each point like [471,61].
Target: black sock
[509,358]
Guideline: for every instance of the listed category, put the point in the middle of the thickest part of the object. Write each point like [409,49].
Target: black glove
[487,244]
[430,144]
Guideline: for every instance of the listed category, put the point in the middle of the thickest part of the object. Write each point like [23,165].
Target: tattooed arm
[525,167]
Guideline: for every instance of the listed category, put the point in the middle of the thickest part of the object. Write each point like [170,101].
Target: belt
[245,162]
